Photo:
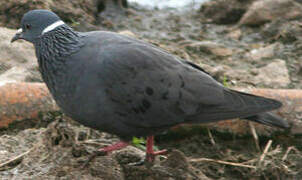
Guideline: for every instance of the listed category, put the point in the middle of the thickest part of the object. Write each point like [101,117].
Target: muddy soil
[58,148]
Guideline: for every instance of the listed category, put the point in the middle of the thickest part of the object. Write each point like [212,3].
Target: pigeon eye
[27,26]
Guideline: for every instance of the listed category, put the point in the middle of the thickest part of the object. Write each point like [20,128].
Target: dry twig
[268,145]
[223,162]
[271,153]
[288,150]
[211,137]
[254,133]
[19,157]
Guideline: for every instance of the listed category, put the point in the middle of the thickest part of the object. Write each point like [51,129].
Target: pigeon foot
[117,146]
[106,150]
[150,153]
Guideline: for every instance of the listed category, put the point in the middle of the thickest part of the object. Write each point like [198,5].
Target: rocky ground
[240,43]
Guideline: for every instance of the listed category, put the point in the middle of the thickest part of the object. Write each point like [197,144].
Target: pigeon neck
[52,51]
[60,42]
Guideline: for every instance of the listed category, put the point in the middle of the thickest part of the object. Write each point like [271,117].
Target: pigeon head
[35,23]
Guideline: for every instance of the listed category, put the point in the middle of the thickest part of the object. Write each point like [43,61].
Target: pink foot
[105,151]
[113,147]
[150,154]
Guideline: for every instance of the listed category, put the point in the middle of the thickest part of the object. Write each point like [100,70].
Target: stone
[263,11]
[127,33]
[275,74]
[211,47]
[235,34]
[224,12]
[17,61]
[73,12]
[282,30]
[11,11]
[264,52]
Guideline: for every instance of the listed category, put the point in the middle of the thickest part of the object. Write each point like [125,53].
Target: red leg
[113,147]
[106,150]
[150,154]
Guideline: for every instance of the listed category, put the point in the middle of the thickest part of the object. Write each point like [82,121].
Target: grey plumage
[128,87]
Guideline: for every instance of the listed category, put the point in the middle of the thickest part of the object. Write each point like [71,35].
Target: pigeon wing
[158,89]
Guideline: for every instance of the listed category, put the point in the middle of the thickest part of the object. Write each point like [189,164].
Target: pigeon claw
[150,153]
[151,156]
[105,151]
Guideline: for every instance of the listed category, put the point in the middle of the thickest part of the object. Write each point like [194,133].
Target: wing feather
[158,89]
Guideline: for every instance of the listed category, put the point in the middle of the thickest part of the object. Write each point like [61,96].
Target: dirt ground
[55,147]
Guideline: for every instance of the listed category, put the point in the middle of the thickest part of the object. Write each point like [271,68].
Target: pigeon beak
[18,35]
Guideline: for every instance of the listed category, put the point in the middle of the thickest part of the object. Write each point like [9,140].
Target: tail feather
[270,119]
[263,105]
[241,105]
[251,102]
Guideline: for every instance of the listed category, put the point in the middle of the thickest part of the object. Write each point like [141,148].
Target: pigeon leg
[117,146]
[150,154]
[104,151]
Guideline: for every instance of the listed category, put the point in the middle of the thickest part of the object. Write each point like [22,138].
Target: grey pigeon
[127,87]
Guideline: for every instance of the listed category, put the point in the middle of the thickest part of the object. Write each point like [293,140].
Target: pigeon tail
[240,105]
[270,119]
[261,105]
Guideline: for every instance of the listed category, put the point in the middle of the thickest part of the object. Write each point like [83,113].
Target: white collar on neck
[53,26]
